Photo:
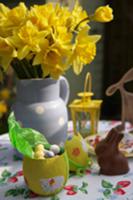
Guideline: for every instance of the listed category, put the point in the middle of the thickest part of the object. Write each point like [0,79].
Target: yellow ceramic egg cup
[47,176]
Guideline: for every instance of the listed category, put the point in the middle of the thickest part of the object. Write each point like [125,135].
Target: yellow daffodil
[78,14]
[52,60]
[3,108]
[84,51]
[103,14]
[13,19]
[49,35]
[27,40]
[3,12]
[40,15]
[54,52]
[7,53]
[4,94]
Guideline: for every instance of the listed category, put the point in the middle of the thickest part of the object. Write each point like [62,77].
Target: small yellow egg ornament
[77,150]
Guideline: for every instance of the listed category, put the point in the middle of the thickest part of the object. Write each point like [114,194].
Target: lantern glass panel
[83,123]
[87,122]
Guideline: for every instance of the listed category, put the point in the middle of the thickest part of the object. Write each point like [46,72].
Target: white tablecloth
[91,186]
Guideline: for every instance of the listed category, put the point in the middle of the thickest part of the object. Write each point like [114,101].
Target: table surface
[91,186]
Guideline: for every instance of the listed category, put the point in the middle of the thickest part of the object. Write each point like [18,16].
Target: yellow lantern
[85,112]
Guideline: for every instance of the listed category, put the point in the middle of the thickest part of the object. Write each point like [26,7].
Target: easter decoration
[77,151]
[85,112]
[110,159]
[45,166]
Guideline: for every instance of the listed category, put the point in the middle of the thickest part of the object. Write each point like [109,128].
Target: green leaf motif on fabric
[24,139]
[107,193]
[6,174]
[14,192]
[106,184]
[55,198]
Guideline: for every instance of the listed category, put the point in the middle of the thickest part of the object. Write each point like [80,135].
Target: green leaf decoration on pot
[24,139]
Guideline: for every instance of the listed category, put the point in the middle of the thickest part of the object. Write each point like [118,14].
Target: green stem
[35,71]
[29,68]
[18,69]
[28,75]
[83,20]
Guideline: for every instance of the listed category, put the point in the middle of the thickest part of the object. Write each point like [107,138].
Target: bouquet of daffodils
[46,40]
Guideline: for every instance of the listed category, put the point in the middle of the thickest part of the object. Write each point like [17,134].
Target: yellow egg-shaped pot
[46,177]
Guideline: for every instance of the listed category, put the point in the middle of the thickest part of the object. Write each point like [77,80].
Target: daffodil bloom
[40,15]
[4,94]
[13,18]
[84,51]
[49,35]
[54,53]
[7,53]
[78,14]
[27,40]
[3,108]
[103,14]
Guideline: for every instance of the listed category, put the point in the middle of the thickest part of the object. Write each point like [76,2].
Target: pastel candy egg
[39,147]
[48,154]
[55,148]
[39,155]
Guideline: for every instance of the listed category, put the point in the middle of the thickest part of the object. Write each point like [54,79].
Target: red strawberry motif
[13,179]
[124,183]
[120,191]
[33,195]
[68,187]
[20,173]
[88,171]
[71,192]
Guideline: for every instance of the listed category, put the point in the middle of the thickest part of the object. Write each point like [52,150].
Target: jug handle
[64,89]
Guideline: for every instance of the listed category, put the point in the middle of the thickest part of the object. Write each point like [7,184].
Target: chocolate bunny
[110,159]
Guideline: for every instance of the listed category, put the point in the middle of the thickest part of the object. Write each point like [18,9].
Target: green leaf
[83,190]
[107,193]
[106,184]
[9,193]
[6,174]
[75,188]
[2,180]
[84,184]
[55,198]
[24,139]
[15,192]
